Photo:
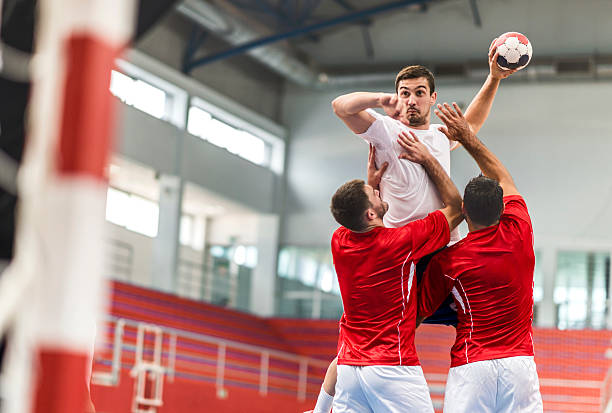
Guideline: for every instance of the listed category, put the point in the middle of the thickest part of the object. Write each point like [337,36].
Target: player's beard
[416,119]
[381,209]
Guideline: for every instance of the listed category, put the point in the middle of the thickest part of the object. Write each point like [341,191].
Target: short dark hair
[414,72]
[349,203]
[483,200]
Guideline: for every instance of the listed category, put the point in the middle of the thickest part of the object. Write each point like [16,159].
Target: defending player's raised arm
[374,173]
[351,108]
[478,110]
[415,151]
[458,129]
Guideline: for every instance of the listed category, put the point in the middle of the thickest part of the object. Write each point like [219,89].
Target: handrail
[606,391]
[234,344]
[112,378]
[156,371]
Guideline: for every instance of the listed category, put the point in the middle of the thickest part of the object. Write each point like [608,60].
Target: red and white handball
[514,50]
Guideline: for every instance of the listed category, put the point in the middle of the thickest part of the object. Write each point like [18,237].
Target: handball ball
[514,51]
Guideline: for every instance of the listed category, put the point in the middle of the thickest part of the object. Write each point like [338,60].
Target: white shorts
[381,389]
[508,385]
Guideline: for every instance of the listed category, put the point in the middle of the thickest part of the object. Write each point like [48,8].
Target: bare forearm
[353,103]
[489,164]
[447,189]
[478,111]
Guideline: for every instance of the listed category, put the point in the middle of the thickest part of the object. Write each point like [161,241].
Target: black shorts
[445,314]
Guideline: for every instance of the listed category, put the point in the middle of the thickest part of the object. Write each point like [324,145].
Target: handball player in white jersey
[490,276]
[404,185]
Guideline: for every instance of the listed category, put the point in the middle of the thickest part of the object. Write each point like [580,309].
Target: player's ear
[433,97]
[371,214]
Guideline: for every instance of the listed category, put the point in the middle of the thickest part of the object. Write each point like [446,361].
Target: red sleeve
[426,235]
[434,287]
[515,209]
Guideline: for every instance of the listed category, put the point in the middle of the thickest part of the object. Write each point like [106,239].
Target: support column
[263,281]
[547,309]
[207,268]
[590,273]
[608,273]
[166,245]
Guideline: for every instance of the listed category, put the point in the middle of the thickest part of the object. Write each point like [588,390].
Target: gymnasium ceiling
[319,41]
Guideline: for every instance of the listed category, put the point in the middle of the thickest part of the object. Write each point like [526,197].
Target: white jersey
[405,186]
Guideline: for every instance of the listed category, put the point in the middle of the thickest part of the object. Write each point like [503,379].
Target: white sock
[324,402]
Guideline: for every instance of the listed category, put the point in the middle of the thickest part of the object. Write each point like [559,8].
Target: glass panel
[197,122]
[240,255]
[312,266]
[141,95]
[244,144]
[538,292]
[199,233]
[144,215]
[121,85]
[149,99]
[117,206]
[580,289]
[186,230]
[251,258]
[251,148]
[326,278]
[219,133]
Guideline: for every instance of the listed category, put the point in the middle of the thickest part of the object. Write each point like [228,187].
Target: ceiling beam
[475,13]
[349,17]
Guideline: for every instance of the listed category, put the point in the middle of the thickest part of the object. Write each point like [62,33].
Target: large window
[140,94]
[244,144]
[192,231]
[581,289]
[311,266]
[132,212]
[538,288]
[169,102]
[307,284]
[243,255]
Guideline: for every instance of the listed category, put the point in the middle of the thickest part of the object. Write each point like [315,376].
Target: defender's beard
[381,209]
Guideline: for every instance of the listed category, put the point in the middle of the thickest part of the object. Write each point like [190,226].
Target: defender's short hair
[349,203]
[414,72]
[483,200]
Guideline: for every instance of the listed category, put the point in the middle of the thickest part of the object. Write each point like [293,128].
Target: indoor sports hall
[166,174]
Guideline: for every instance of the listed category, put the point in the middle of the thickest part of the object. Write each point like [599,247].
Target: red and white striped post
[60,242]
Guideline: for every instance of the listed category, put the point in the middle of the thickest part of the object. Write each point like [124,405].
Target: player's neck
[421,127]
[371,225]
[476,227]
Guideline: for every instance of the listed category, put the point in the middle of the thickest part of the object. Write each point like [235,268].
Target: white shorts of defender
[381,389]
[508,385]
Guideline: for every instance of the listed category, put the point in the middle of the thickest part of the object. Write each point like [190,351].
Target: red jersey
[376,275]
[490,274]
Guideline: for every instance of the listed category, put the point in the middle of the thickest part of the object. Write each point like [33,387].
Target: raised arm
[416,152]
[351,108]
[478,110]
[373,172]
[458,129]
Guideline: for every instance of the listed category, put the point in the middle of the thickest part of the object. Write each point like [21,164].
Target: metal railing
[179,338]
[606,387]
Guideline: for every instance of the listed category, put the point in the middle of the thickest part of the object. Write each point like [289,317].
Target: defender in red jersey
[378,369]
[406,186]
[490,275]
